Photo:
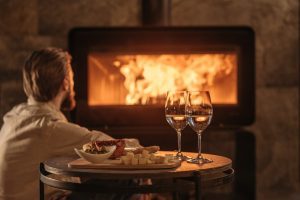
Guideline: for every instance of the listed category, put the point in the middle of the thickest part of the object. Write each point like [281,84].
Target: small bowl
[96,158]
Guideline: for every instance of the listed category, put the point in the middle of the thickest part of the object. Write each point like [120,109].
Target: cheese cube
[138,156]
[169,156]
[125,160]
[142,161]
[130,155]
[149,162]
[165,160]
[159,160]
[147,156]
[145,153]
[152,157]
[134,161]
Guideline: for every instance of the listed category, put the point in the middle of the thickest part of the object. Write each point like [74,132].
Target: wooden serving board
[83,164]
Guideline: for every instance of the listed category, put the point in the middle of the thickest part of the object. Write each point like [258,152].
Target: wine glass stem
[199,145]
[179,142]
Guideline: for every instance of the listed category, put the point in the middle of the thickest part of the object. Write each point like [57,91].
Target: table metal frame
[196,180]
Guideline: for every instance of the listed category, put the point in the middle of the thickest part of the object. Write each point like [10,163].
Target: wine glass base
[199,160]
[181,157]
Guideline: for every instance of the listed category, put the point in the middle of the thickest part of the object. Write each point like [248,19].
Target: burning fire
[149,77]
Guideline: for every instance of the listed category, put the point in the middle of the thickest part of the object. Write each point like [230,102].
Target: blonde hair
[44,72]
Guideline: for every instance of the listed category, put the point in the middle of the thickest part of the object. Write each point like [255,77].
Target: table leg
[198,186]
[42,187]
[41,190]
[175,194]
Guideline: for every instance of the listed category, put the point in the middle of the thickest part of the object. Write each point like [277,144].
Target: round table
[218,172]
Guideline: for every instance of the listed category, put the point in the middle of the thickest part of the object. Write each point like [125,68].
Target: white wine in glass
[199,112]
[175,115]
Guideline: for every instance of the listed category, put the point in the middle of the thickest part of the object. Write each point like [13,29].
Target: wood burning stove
[122,74]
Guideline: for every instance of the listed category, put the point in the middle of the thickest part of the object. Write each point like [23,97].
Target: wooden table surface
[59,165]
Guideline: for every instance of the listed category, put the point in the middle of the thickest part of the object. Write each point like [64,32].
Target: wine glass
[175,115]
[199,111]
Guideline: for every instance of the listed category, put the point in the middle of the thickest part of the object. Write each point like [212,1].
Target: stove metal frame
[154,40]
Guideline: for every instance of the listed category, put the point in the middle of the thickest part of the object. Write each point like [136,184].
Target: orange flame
[145,79]
[149,77]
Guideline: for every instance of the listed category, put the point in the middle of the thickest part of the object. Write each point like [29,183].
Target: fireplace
[122,74]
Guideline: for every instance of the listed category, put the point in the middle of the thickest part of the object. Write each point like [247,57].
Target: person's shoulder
[16,109]
[35,113]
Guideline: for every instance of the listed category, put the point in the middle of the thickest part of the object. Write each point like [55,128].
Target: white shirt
[33,132]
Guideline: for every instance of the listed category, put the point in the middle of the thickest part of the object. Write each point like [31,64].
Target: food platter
[113,154]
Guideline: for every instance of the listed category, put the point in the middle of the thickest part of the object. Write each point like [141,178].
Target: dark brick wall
[33,24]
[276,24]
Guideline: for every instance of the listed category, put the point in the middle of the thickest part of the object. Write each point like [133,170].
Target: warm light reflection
[145,79]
